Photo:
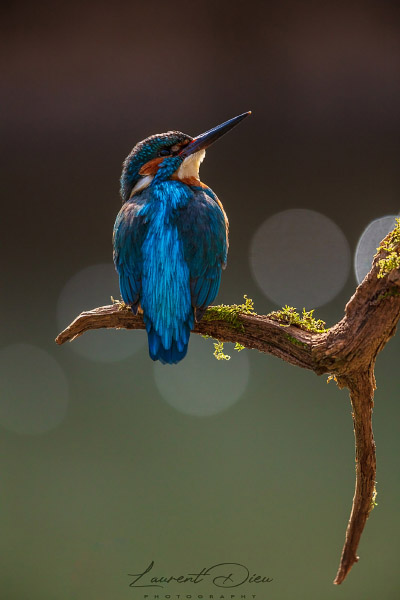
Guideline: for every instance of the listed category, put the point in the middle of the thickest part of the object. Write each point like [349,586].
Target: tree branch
[347,351]
[361,386]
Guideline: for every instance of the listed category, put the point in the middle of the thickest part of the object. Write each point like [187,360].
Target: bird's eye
[164,152]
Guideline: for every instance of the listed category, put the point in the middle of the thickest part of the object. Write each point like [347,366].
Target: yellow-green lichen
[289,316]
[373,499]
[390,245]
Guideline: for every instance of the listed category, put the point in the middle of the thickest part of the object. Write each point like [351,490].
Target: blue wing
[129,233]
[203,228]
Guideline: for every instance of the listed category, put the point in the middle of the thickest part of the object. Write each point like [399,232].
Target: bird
[170,238]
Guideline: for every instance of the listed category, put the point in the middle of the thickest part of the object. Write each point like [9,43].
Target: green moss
[238,347]
[296,342]
[289,316]
[219,351]
[390,245]
[394,291]
[230,313]
[120,304]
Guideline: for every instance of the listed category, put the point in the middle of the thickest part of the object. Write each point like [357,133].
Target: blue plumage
[170,239]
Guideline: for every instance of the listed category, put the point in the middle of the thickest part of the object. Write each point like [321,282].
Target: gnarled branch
[347,351]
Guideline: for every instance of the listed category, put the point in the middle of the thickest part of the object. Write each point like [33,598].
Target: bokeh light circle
[300,257]
[87,289]
[200,385]
[33,390]
[369,241]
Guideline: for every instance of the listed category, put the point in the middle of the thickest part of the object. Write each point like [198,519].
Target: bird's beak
[202,141]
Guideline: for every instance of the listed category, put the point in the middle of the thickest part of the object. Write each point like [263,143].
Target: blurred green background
[109,461]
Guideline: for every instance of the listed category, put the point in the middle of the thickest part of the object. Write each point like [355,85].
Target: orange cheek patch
[151,167]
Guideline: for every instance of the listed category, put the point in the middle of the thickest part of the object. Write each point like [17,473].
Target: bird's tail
[169,347]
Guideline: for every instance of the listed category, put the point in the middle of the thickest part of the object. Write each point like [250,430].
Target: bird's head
[169,155]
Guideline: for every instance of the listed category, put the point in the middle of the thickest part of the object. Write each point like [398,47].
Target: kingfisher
[170,237]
